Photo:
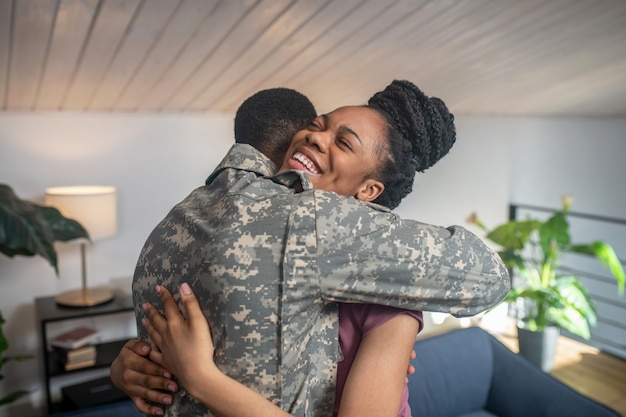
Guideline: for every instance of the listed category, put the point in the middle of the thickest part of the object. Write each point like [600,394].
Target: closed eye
[345,143]
[317,124]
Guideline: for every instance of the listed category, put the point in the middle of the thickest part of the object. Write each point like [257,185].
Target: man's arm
[372,256]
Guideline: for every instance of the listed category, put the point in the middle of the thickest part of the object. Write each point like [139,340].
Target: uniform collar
[245,158]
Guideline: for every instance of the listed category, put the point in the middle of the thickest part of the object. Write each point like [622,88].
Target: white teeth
[306,162]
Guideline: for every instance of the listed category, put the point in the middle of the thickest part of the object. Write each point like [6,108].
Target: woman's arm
[141,379]
[374,386]
[186,348]
[377,376]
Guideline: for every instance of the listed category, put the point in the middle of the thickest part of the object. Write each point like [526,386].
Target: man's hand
[142,379]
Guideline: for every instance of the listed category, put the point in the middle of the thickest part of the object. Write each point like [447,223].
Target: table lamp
[94,207]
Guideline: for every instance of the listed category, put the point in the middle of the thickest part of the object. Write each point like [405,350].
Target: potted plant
[29,229]
[548,300]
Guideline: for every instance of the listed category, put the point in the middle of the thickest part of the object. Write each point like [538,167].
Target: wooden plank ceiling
[483,57]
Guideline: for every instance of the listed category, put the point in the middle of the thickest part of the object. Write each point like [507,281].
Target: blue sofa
[469,373]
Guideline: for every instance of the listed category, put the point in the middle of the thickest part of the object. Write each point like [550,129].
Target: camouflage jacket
[268,264]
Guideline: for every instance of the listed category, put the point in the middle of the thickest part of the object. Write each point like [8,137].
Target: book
[75,355]
[70,366]
[75,338]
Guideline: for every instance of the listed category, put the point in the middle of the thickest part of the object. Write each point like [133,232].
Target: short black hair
[420,131]
[269,119]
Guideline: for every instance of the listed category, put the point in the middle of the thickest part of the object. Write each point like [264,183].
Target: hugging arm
[373,257]
[186,347]
[377,376]
[141,379]
[374,386]
[147,384]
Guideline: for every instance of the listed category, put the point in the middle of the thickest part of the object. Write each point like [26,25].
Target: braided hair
[420,131]
[268,120]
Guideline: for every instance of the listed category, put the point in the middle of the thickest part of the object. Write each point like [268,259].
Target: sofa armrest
[521,389]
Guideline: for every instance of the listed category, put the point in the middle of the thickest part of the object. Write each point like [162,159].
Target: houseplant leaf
[576,312]
[571,321]
[514,234]
[29,229]
[576,295]
[555,231]
[533,250]
[4,343]
[13,396]
[607,257]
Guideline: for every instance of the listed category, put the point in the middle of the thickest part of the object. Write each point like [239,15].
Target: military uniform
[268,257]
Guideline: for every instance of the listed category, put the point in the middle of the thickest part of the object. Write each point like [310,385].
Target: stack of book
[74,348]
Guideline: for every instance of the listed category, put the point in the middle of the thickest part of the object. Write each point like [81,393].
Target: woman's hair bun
[424,122]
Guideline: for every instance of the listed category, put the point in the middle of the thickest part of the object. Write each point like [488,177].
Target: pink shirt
[355,321]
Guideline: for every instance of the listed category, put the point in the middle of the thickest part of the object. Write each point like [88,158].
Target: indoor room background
[141,95]
[154,161]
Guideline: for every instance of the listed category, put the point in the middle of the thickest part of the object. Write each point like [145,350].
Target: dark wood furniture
[48,311]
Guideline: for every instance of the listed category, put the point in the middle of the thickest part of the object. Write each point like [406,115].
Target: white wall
[155,160]
[474,176]
[581,157]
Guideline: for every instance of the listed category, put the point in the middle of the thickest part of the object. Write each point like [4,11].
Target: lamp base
[87,297]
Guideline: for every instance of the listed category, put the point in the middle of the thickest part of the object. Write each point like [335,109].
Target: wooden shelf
[106,353]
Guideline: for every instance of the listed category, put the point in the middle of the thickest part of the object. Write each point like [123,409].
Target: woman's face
[339,151]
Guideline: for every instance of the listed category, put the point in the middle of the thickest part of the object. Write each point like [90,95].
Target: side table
[48,311]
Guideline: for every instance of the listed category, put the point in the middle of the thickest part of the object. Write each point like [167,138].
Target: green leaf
[17,358]
[607,257]
[13,397]
[571,321]
[4,344]
[554,230]
[514,234]
[29,229]
[575,295]
[511,259]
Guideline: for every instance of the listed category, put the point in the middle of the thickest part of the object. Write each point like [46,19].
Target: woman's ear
[369,190]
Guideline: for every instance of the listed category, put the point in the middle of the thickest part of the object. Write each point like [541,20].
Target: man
[279,336]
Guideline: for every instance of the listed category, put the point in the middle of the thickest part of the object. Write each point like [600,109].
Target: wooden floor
[586,369]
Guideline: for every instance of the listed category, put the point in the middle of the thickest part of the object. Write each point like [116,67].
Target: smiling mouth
[306,162]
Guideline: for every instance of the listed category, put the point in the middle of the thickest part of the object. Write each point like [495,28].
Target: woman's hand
[141,379]
[184,346]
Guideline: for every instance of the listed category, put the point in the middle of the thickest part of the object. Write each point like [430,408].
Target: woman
[365,152]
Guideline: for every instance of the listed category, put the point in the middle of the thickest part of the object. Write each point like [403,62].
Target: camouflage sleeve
[370,256]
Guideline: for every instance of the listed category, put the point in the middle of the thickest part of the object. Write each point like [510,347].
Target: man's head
[268,120]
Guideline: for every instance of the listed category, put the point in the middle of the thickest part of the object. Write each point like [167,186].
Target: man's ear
[369,190]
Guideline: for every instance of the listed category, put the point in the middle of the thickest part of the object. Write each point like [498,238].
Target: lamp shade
[94,207]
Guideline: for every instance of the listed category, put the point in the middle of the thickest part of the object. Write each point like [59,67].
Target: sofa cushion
[452,374]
